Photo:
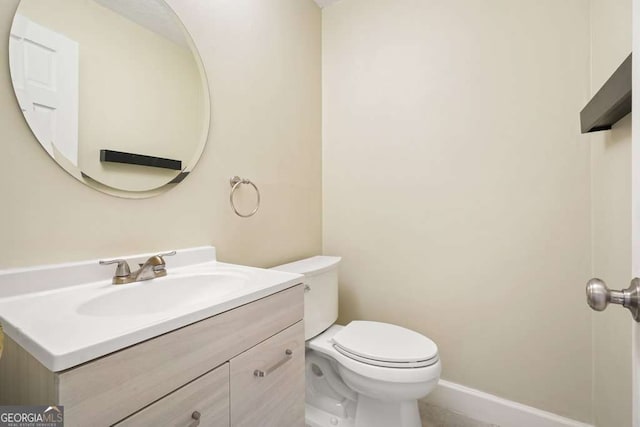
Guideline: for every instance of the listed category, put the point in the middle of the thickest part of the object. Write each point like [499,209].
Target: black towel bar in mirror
[139,159]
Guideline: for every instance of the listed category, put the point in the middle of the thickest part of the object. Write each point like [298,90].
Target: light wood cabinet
[204,401]
[164,378]
[268,380]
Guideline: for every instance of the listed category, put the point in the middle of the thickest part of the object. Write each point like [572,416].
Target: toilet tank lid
[310,266]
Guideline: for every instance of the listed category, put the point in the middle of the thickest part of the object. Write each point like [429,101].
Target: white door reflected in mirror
[44,66]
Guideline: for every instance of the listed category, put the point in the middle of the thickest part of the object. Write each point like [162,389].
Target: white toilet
[364,374]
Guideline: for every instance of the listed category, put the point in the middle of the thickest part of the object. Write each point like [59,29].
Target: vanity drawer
[267,383]
[205,400]
[111,388]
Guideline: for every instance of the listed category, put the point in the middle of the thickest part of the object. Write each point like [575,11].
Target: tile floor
[435,416]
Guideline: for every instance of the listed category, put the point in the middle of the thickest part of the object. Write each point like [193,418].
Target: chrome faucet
[152,268]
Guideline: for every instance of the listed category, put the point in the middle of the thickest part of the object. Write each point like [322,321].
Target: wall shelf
[611,103]
[139,159]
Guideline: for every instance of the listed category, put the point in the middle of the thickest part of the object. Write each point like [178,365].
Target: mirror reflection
[113,90]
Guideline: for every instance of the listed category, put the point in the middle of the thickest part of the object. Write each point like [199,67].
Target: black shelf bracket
[139,159]
[611,103]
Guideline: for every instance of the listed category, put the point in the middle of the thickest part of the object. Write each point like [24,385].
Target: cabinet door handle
[288,354]
[196,419]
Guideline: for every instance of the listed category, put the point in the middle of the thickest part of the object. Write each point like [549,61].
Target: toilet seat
[324,344]
[385,345]
[384,364]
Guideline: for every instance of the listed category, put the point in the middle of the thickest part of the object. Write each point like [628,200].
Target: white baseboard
[491,409]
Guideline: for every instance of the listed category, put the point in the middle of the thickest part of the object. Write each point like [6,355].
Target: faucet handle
[172,253]
[122,270]
[160,257]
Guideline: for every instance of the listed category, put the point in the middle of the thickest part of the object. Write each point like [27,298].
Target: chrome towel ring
[235,182]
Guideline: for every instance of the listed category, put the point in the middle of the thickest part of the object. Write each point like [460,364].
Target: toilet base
[375,413]
[314,417]
[370,413]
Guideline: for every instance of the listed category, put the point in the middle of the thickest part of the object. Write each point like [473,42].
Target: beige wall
[263,66]
[611,213]
[455,180]
[128,74]
[456,185]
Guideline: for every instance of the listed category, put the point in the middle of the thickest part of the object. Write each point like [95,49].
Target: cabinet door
[267,382]
[204,402]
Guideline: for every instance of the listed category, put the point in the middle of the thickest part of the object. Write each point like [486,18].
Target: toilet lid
[383,344]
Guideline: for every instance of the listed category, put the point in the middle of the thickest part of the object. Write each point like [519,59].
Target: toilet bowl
[364,374]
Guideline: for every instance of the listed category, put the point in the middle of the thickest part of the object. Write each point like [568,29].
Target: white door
[635,204]
[44,72]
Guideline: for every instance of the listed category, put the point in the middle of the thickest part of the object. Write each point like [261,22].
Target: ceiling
[154,15]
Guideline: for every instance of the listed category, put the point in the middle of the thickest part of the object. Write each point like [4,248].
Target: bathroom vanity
[240,364]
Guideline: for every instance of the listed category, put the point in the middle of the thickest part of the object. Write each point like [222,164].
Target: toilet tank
[321,291]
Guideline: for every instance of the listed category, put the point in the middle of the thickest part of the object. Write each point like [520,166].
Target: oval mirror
[113,90]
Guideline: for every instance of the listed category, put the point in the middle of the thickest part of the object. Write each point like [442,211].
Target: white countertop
[49,322]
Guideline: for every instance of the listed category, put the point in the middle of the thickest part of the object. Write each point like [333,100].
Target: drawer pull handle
[288,354]
[196,417]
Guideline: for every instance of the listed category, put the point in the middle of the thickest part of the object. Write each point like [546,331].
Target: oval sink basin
[163,294]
